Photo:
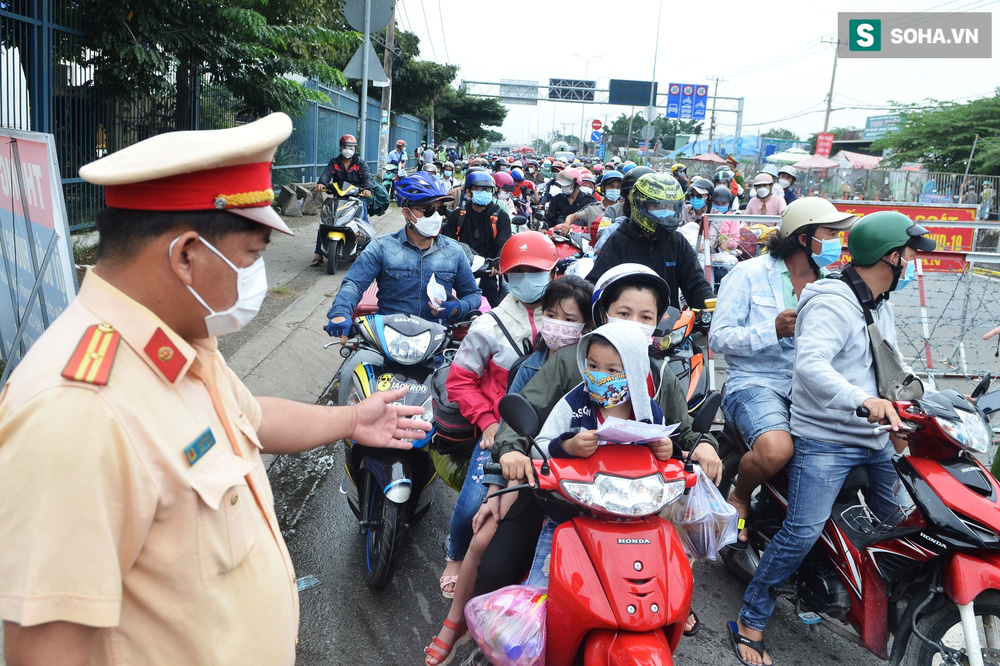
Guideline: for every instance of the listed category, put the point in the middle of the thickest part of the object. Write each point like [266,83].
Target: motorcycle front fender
[392,472]
[968,574]
[621,648]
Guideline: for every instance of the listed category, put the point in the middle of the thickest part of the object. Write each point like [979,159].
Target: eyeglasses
[425,211]
[480,188]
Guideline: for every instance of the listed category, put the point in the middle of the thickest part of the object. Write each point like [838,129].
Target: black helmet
[634,174]
[703,184]
[722,194]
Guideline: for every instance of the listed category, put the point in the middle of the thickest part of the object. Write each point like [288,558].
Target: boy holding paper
[615,367]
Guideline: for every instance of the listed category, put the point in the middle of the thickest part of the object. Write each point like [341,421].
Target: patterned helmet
[657,201]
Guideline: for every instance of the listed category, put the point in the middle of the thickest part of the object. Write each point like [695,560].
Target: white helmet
[807,211]
[789,171]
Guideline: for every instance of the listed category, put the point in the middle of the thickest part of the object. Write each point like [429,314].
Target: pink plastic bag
[509,625]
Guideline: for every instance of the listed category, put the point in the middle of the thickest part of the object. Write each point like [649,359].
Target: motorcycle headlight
[971,432]
[405,349]
[426,417]
[625,497]
[676,337]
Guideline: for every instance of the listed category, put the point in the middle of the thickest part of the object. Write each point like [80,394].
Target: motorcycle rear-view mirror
[519,415]
[983,386]
[706,413]
[519,220]
[989,403]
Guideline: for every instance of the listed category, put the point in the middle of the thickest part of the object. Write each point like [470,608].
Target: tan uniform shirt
[141,506]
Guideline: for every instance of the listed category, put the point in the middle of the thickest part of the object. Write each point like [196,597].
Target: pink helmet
[504,180]
[587,177]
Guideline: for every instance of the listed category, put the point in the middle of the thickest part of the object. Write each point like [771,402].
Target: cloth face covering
[605,389]
[558,334]
[251,287]
[528,287]
[429,227]
[482,198]
[829,254]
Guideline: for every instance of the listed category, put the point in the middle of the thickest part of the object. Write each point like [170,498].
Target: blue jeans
[468,504]
[815,476]
[538,576]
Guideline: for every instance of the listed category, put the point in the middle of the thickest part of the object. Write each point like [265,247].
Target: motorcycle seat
[857,480]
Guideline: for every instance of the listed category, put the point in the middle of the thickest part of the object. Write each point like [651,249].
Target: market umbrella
[790,156]
[709,157]
[816,162]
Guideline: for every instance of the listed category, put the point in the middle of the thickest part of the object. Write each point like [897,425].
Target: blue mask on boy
[605,389]
[907,276]
[698,203]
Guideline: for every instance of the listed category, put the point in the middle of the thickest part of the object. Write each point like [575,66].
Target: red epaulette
[94,356]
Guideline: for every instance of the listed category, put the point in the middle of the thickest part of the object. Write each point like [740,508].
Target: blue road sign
[700,101]
[595,137]
[687,100]
[674,100]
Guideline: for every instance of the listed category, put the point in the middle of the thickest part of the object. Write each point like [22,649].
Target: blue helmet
[479,179]
[611,175]
[421,188]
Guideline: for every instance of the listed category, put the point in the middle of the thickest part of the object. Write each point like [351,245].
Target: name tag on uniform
[199,447]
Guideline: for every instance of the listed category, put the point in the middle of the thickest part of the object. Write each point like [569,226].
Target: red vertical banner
[824,143]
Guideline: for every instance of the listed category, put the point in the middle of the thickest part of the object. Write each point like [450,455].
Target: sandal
[316,262]
[445,582]
[696,628]
[445,652]
[739,639]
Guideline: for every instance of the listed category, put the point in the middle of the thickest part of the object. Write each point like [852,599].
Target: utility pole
[711,126]
[363,97]
[383,134]
[652,87]
[833,78]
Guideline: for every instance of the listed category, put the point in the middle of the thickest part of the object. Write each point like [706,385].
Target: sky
[772,55]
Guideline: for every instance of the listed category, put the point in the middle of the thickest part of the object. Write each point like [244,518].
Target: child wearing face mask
[615,367]
[566,315]
[479,374]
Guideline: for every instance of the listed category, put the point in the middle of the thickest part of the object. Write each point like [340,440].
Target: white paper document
[622,431]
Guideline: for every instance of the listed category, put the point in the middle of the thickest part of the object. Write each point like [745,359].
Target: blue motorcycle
[390,489]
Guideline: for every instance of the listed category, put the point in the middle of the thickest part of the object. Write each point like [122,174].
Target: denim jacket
[402,271]
[750,298]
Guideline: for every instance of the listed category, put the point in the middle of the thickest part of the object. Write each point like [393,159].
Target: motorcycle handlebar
[493,468]
[863,412]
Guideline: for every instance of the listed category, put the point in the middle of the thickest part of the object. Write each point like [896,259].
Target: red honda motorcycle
[619,581]
[930,575]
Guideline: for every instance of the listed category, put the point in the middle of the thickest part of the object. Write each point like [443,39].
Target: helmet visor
[666,214]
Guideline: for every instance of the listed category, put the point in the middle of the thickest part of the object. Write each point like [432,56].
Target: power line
[409,26]
[428,26]
[775,58]
[814,50]
[444,37]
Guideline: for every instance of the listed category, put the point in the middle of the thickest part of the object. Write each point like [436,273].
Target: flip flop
[696,628]
[316,262]
[739,639]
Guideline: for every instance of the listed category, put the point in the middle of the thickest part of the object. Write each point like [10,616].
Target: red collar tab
[165,355]
[239,186]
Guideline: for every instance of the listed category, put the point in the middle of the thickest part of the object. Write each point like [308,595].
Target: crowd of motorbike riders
[793,334]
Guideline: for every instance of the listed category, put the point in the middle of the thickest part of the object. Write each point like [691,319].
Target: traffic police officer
[136,518]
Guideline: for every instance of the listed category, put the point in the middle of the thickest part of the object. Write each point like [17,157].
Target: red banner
[824,143]
[952,242]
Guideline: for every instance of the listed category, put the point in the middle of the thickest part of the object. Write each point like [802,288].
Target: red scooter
[619,581]
[931,575]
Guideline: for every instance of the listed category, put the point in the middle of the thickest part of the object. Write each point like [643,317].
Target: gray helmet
[789,171]
[771,170]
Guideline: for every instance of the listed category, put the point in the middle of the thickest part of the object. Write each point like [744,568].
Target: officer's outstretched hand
[339,326]
[381,424]
[992,333]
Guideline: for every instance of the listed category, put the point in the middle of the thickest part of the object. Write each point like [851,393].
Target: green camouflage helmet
[876,235]
[657,201]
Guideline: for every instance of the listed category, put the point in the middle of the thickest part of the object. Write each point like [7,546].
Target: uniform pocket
[764,301]
[226,533]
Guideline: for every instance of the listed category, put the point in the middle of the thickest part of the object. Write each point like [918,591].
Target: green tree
[160,49]
[464,118]
[941,137]
[781,133]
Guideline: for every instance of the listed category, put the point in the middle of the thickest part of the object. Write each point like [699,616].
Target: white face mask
[429,227]
[348,153]
[647,329]
[785,184]
[587,190]
[251,287]
[503,194]
[567,190]
[762,192]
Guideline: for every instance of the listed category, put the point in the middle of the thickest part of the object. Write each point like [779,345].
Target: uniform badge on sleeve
[94,356]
